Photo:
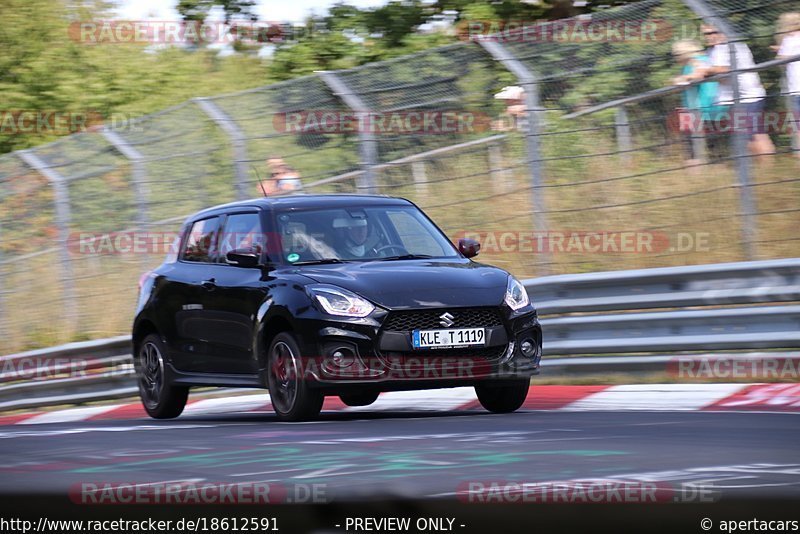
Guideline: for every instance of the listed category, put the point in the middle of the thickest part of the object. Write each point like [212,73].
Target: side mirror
[468,247]
[242,257]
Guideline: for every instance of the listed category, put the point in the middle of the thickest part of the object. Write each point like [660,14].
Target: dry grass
[650,192]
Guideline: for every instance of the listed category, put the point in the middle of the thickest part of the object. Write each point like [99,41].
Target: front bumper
[385,360]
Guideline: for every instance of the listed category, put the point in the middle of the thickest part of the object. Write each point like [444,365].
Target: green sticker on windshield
[293,257]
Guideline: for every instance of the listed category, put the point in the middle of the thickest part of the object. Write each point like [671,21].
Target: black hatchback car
[342,295]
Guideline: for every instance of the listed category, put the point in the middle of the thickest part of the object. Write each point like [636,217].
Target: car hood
[417,283]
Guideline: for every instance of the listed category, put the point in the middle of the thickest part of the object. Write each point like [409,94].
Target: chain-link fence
[577,165]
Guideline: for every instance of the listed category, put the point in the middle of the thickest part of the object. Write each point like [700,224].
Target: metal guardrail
[728,291]
[735,306]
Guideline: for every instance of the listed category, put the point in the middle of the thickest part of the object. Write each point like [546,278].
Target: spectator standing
[698,99]
[514,98]
[282,178]
[751,92]
[788,38]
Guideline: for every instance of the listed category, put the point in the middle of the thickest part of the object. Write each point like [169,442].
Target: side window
[242,230]
[200,243]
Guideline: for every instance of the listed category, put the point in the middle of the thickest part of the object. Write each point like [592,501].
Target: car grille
[401,321]
[444,358]
[489,353]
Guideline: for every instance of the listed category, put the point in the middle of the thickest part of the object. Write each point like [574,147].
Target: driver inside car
[355,235]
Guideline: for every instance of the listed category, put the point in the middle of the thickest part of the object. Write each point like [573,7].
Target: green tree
[197,10]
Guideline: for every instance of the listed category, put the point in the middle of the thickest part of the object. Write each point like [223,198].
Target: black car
[315,295]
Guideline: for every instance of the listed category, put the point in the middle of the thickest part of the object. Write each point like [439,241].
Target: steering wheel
[401,248]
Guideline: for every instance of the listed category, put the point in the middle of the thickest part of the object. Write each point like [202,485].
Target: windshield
[360,234]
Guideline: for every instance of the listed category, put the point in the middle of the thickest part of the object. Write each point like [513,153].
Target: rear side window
[201,241]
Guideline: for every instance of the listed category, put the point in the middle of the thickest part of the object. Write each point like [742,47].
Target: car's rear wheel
[291,397]
[365,398]
[503,397]
[161,399]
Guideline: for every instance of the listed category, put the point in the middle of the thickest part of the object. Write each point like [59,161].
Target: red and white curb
[641,397]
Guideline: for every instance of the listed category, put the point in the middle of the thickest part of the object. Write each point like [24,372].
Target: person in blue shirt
[698,100]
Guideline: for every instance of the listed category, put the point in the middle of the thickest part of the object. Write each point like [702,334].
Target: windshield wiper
[406,257]
[322,261]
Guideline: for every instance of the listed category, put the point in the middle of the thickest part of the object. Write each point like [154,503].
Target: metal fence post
[698,137]
[238,143]
[740,139]
[742,155]
[790,108]
[4,330]
[367,142]
[138,173]
[138,177]
[497,168]
[533,108]
[623,129]
[63,218]
[420,179]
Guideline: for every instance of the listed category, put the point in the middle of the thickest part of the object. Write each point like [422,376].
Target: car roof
[301,201]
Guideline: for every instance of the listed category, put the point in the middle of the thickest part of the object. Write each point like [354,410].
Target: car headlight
[338,301]
[516,295]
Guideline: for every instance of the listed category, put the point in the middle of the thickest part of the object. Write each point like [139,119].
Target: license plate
[456,337]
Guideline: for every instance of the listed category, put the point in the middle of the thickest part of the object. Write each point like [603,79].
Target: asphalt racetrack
[357,456]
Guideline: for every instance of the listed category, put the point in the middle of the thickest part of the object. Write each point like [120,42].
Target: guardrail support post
[367,143]
[623,129]
[238,144]
[528,82]
[63,219]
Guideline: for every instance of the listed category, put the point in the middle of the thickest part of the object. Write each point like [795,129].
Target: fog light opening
[528,348]
[343,357]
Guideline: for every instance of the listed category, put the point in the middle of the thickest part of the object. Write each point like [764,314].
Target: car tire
[503,397]
[160,398]
[292,398]
[365,398]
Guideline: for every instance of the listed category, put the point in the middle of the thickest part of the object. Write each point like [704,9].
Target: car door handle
[209,284]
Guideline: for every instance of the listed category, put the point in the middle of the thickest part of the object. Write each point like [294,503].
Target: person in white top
[751,91]
[788,38]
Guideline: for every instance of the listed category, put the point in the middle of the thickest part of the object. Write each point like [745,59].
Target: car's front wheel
[503,397]
[161,399]
[291,397]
